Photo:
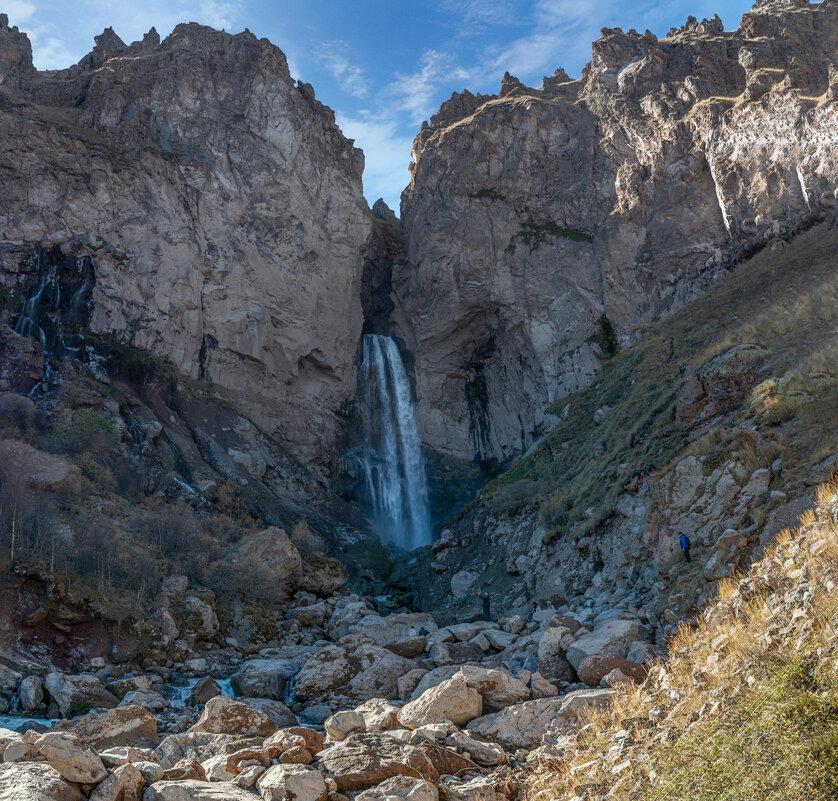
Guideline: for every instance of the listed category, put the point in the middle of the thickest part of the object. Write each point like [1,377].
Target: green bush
[78,431]
[554,511]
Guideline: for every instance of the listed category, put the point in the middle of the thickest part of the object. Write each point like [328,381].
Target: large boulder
[226,716]
[31,693]
[499,640]
[121,687]
[192,790]
[577,703]
[206,688]
[521,726]
[726,552]
[408,683]
[340,725]
[483,753]
[400,788]
[147,699]
[612,637]
[541,688]
[201,746]
[20,751]
[462,582]
[264,678]
[76,695]
[292,783]
[35,781]
[451,700]
[365,760]
[498,688]
[468,631]
[552,661]
[126,725]
[593,668]
[550,644]
[275,710]
[432,678]
[409,648]
[39,469]
[645,653]
[359,670]
[379,714]
[216,769]
[345,615]
[311,615]
[123,755]
[271,549]
[286,737]
[74,760]
[126,783]
[383,630]
[479,788]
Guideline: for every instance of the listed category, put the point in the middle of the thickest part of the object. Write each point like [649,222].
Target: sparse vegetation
[775,301]
[747,705]
[533,235]
[135,364]
[487,194]
[80,431]
[606,338]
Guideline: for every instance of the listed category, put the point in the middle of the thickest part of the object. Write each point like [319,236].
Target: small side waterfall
[57,308]
[389,459]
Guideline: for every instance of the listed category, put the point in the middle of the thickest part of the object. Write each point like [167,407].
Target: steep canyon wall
[220,204]
[545,226]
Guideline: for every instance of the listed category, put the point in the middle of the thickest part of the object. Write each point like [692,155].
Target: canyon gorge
[301,498]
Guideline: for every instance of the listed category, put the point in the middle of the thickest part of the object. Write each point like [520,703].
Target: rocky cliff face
[220,207]
[544,226]
[716,425]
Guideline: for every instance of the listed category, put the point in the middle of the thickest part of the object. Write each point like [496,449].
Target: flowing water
[57,308]
[389,458]
[180,695]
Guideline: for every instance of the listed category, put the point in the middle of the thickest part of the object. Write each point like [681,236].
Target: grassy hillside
[783,300]
[747,705]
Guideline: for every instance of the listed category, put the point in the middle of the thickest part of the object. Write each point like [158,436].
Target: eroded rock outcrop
[221,209]
[544,227]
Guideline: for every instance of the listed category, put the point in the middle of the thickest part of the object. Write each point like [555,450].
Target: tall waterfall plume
[389,458]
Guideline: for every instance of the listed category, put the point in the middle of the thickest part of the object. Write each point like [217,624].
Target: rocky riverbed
[352,703]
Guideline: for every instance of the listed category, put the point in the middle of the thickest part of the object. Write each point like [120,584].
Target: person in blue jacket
[486,598]
[685,547]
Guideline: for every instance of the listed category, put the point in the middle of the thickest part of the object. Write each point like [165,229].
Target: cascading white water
[390,458]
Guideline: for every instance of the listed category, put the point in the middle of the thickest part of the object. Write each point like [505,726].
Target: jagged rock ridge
[537,220]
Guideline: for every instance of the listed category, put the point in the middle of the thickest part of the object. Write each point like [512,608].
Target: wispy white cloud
[387,151]
[475,16]
[560,36]
[218,14]
[51,52]
[18,11]
[335,56]
[417,93]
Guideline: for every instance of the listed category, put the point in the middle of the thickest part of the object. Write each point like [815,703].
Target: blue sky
[383,65]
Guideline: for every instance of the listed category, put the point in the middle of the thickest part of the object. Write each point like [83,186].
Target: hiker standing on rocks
[486,598]
[685,547]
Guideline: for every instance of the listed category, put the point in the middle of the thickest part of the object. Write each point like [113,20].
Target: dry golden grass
[748,698]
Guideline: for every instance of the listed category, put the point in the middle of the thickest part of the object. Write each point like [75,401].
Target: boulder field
[362,705]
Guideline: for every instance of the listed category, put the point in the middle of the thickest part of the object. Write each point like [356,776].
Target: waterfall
[57,308]
[389,459]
